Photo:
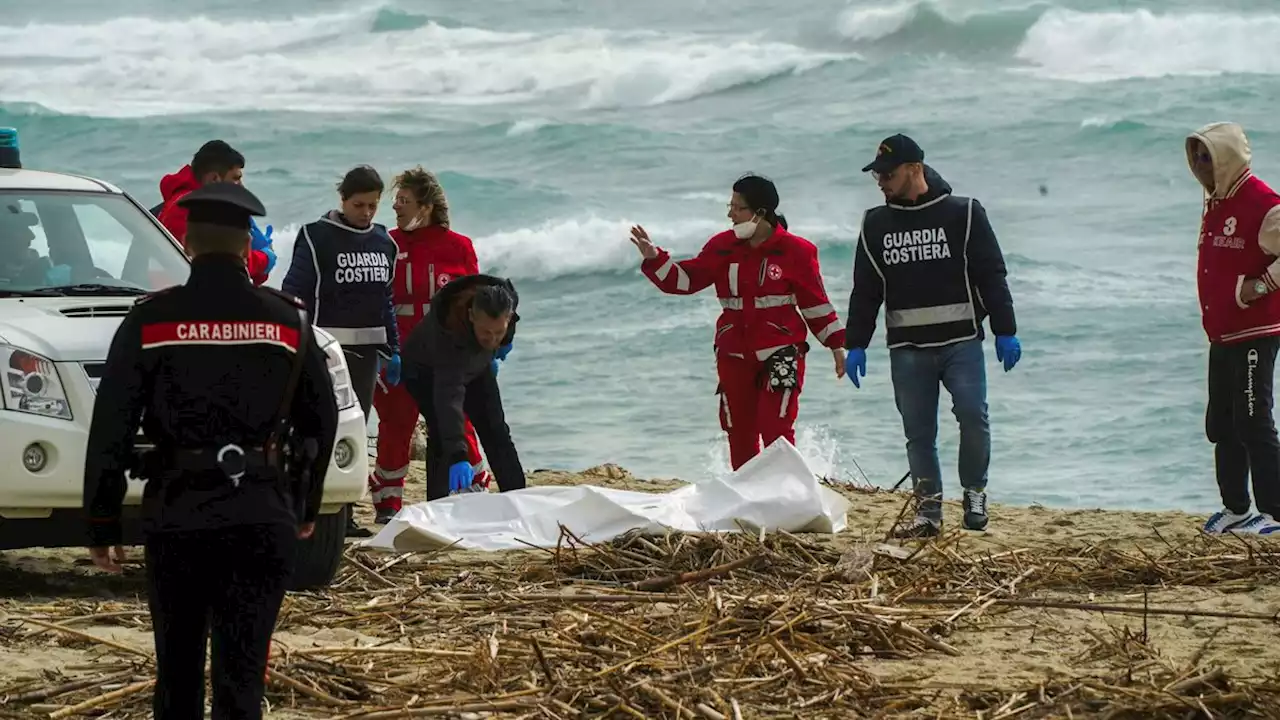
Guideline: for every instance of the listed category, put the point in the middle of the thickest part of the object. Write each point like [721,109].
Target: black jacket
[344,275]
[444,346]
[936,267]
[197,376]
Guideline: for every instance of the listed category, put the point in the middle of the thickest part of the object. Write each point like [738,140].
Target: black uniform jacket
[937,268]
[444,344]
[202,365]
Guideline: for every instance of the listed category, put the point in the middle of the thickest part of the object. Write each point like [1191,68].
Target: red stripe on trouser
[749,412]
[397,419]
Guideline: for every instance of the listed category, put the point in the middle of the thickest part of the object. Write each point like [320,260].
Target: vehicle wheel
[320,555]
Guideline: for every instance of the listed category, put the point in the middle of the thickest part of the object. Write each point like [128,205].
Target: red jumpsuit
[429,258]
[769,294]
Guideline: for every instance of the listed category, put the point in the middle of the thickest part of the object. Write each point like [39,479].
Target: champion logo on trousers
[231,332]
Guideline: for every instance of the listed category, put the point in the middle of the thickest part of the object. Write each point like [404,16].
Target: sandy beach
[1050,613]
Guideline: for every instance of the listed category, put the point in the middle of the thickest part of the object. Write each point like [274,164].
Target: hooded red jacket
[173,188]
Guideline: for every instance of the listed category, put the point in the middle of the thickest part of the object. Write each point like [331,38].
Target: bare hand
[103,558]
[838,354]
[306,530]
[1247,293]
[641,240]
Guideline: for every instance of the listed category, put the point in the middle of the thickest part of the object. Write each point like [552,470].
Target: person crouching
[449,370]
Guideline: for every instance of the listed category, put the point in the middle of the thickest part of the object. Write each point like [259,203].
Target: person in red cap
[430,255]
[772,296]
[214,162]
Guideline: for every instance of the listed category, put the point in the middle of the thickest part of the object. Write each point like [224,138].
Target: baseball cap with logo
[894,151]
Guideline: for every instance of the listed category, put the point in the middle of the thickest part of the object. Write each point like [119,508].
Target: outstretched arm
[684,277]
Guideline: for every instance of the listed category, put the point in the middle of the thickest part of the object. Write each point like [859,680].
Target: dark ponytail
[760,195]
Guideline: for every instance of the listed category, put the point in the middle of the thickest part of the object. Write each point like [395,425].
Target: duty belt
[231,459]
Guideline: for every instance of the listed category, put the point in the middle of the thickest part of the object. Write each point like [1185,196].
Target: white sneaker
[1225,521]
[1266,525]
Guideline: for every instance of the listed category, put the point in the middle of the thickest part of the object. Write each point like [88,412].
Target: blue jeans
[917,373]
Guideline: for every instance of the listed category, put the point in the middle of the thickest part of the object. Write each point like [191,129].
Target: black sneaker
[384,516]
[354,530]
[919,527]
[975,509]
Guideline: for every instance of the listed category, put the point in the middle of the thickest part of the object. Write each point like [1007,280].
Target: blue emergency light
[9,156]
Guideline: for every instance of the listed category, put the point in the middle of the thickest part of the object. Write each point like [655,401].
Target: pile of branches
[684,625]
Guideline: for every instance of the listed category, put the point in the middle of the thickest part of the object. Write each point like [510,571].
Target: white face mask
[414,224]
[744,230]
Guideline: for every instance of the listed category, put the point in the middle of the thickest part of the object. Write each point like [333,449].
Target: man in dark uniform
[226,391]
[451,372]
[933,261]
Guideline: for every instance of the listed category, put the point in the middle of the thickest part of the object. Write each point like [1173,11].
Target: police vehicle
[75,252]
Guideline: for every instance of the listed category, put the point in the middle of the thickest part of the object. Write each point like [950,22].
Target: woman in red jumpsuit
[430,256]
[771,292]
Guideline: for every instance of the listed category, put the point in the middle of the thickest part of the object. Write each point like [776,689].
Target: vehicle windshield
[63,243]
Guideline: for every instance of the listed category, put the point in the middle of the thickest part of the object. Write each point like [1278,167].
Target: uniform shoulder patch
[291,299]
[153,295]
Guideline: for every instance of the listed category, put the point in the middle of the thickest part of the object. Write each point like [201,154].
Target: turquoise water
[555,125]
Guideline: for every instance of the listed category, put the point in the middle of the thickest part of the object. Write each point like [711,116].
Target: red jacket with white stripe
[428,259]
[772,295]
[1239,243]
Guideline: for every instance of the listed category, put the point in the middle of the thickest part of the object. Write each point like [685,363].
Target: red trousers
[749,411]
[397,418]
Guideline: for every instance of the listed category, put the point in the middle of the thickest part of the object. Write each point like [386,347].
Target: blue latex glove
[261,240]
[1008,350]
[460,476]
[393,369]
[855,365]
[503,352]
[58,275]
[271,257]
[494,366]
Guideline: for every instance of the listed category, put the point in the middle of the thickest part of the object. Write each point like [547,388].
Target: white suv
[75,253]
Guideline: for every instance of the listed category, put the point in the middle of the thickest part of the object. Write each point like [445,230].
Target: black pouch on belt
[782,369]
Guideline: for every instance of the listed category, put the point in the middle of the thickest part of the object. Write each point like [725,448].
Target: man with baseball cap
[932,259]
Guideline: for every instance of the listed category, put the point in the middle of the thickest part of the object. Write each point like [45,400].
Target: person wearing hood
[451,372]
[772,296]
[214,162]
[1238,274]
[933,261]
[431,255]
[343,267]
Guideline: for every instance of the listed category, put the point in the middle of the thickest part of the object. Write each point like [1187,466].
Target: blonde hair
[426,190]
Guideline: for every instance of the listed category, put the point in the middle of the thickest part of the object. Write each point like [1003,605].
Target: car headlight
[31,384]
[343,391]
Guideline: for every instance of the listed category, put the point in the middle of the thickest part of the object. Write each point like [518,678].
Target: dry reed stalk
[689,625]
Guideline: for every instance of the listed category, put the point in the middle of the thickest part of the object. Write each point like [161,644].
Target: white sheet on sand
[775,490]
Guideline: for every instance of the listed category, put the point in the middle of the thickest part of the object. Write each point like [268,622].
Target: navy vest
[921,254]
[353,270]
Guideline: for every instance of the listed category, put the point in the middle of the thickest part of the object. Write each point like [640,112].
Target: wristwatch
[1259,287]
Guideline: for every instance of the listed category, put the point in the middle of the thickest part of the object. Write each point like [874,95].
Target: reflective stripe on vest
[359,336]
[936,315]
